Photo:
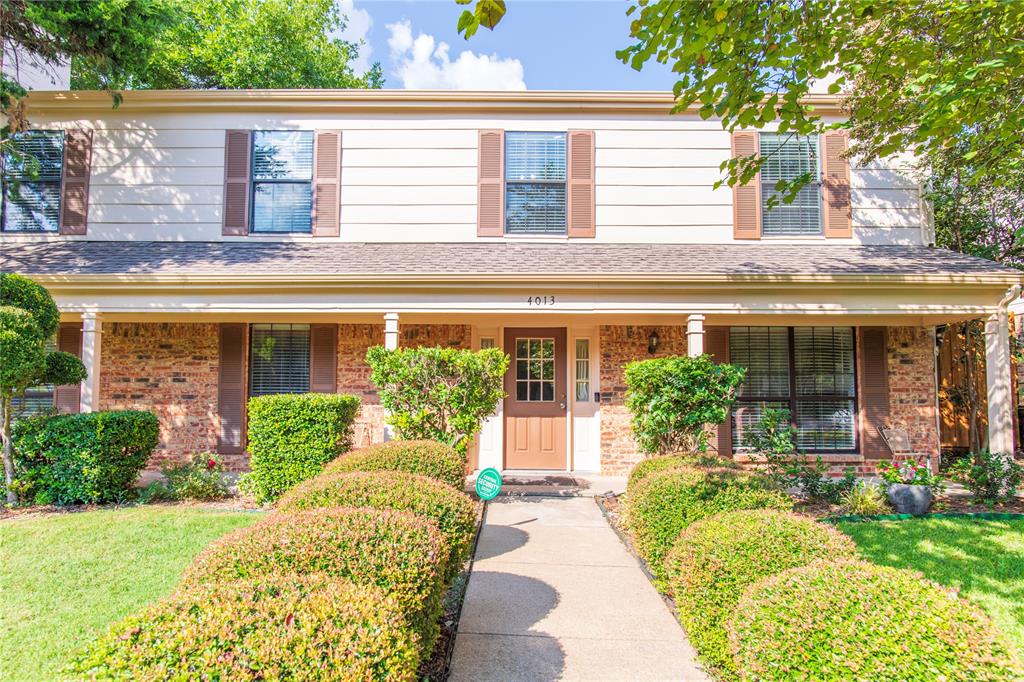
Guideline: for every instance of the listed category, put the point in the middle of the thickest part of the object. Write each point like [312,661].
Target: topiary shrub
[653,465]
[268,628]
[851,620]
[715,559]
[400,552]
[292,436]
[90,458]
[660,506]
[424,457]
[453,511]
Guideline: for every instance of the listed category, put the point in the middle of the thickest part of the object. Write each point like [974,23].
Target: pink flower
[211,464]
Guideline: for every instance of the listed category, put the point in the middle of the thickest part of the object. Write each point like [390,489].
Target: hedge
[453,511]
[292,437]
[854,620]
[92,457]
[716,559]
[653,465]
[424,457]
[660,506]
[399,552]
[268,628]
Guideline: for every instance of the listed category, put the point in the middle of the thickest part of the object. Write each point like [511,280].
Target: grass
[66,577]
[983,559]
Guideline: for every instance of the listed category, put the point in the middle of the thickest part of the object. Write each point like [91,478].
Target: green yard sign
[488,484]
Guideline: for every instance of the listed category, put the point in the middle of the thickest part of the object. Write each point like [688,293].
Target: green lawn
[66,577]
[984,559]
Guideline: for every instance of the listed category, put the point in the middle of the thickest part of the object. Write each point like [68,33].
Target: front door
[535,407]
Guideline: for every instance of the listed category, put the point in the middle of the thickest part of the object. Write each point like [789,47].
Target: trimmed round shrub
[717,558]
[92,457]
[454,512]
[852,620]
[660,506]
[292,437]
[424,457]
[399,552]
[653,465]
[269,628]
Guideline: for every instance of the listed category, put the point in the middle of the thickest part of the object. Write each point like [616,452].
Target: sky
[539,45]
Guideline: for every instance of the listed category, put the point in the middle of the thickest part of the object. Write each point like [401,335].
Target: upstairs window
[282,181]
[31,182]
[535,183]
[787,157]
[806,370]
[278,359]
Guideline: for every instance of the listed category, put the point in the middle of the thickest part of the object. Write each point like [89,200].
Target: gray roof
[338,259]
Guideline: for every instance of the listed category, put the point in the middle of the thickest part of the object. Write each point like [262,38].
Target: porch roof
[338,261]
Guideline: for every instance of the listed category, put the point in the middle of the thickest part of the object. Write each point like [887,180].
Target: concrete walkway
[555,595]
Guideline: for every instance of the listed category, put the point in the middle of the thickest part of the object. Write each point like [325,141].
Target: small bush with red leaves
[424,457]
[850,620]
[453,511]
[290,627]
[400,552]
[717,558]
[661,505]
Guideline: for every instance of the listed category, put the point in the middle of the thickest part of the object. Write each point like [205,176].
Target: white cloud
[423,63]
[357,25]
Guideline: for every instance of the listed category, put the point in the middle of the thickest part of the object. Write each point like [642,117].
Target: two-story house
[205,247]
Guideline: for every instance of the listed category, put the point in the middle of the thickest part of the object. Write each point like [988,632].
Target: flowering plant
[909,472]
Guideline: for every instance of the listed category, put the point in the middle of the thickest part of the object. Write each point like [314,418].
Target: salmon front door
[535,407]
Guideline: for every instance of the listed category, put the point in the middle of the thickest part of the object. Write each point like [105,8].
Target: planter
[910,499]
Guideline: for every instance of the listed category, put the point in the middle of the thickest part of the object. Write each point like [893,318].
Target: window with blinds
[788,157]
[38,399]
[282,181]
[278,359]
[31,182]
[535,176]
[809,371]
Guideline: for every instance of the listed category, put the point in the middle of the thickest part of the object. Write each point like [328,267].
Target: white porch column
[391,331]
[997,374]
[695,335]
[92,333]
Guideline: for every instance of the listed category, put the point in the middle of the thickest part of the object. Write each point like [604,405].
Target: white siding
[413,178]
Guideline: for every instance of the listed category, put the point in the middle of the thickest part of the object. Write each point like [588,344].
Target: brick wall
[354,373]
[167,369]
[912,399]
[619,346]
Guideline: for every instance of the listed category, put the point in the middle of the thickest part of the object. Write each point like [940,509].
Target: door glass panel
[582,370]
[535,370]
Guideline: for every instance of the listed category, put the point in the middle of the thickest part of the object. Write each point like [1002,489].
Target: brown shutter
[231,389]
[746,199]
[74,184]
[327,184]
[236,182]
[68,399]
[490,208]
[580,208]
[836,186]
[716,344]
[874,391]
[323,358]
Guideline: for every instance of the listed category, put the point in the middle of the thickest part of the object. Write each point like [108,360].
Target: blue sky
[540,44]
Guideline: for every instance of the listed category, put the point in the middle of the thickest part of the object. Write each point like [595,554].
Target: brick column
[92,332]
[695,335]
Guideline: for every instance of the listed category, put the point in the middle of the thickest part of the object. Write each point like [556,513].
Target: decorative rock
[910,499]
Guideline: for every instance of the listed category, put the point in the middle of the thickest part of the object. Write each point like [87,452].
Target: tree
[28,318]
[441,394]
[243,44]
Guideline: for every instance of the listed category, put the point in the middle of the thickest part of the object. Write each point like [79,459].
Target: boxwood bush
[717,558]
[92,457]
[424,457]
[400,552]
[853,620]
[453,511]
[653,465]
[661,505]
[268,628]
[292,437]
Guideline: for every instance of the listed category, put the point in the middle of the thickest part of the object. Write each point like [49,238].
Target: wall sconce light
[652,342]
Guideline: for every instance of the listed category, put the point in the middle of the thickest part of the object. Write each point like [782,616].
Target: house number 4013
[540,300]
